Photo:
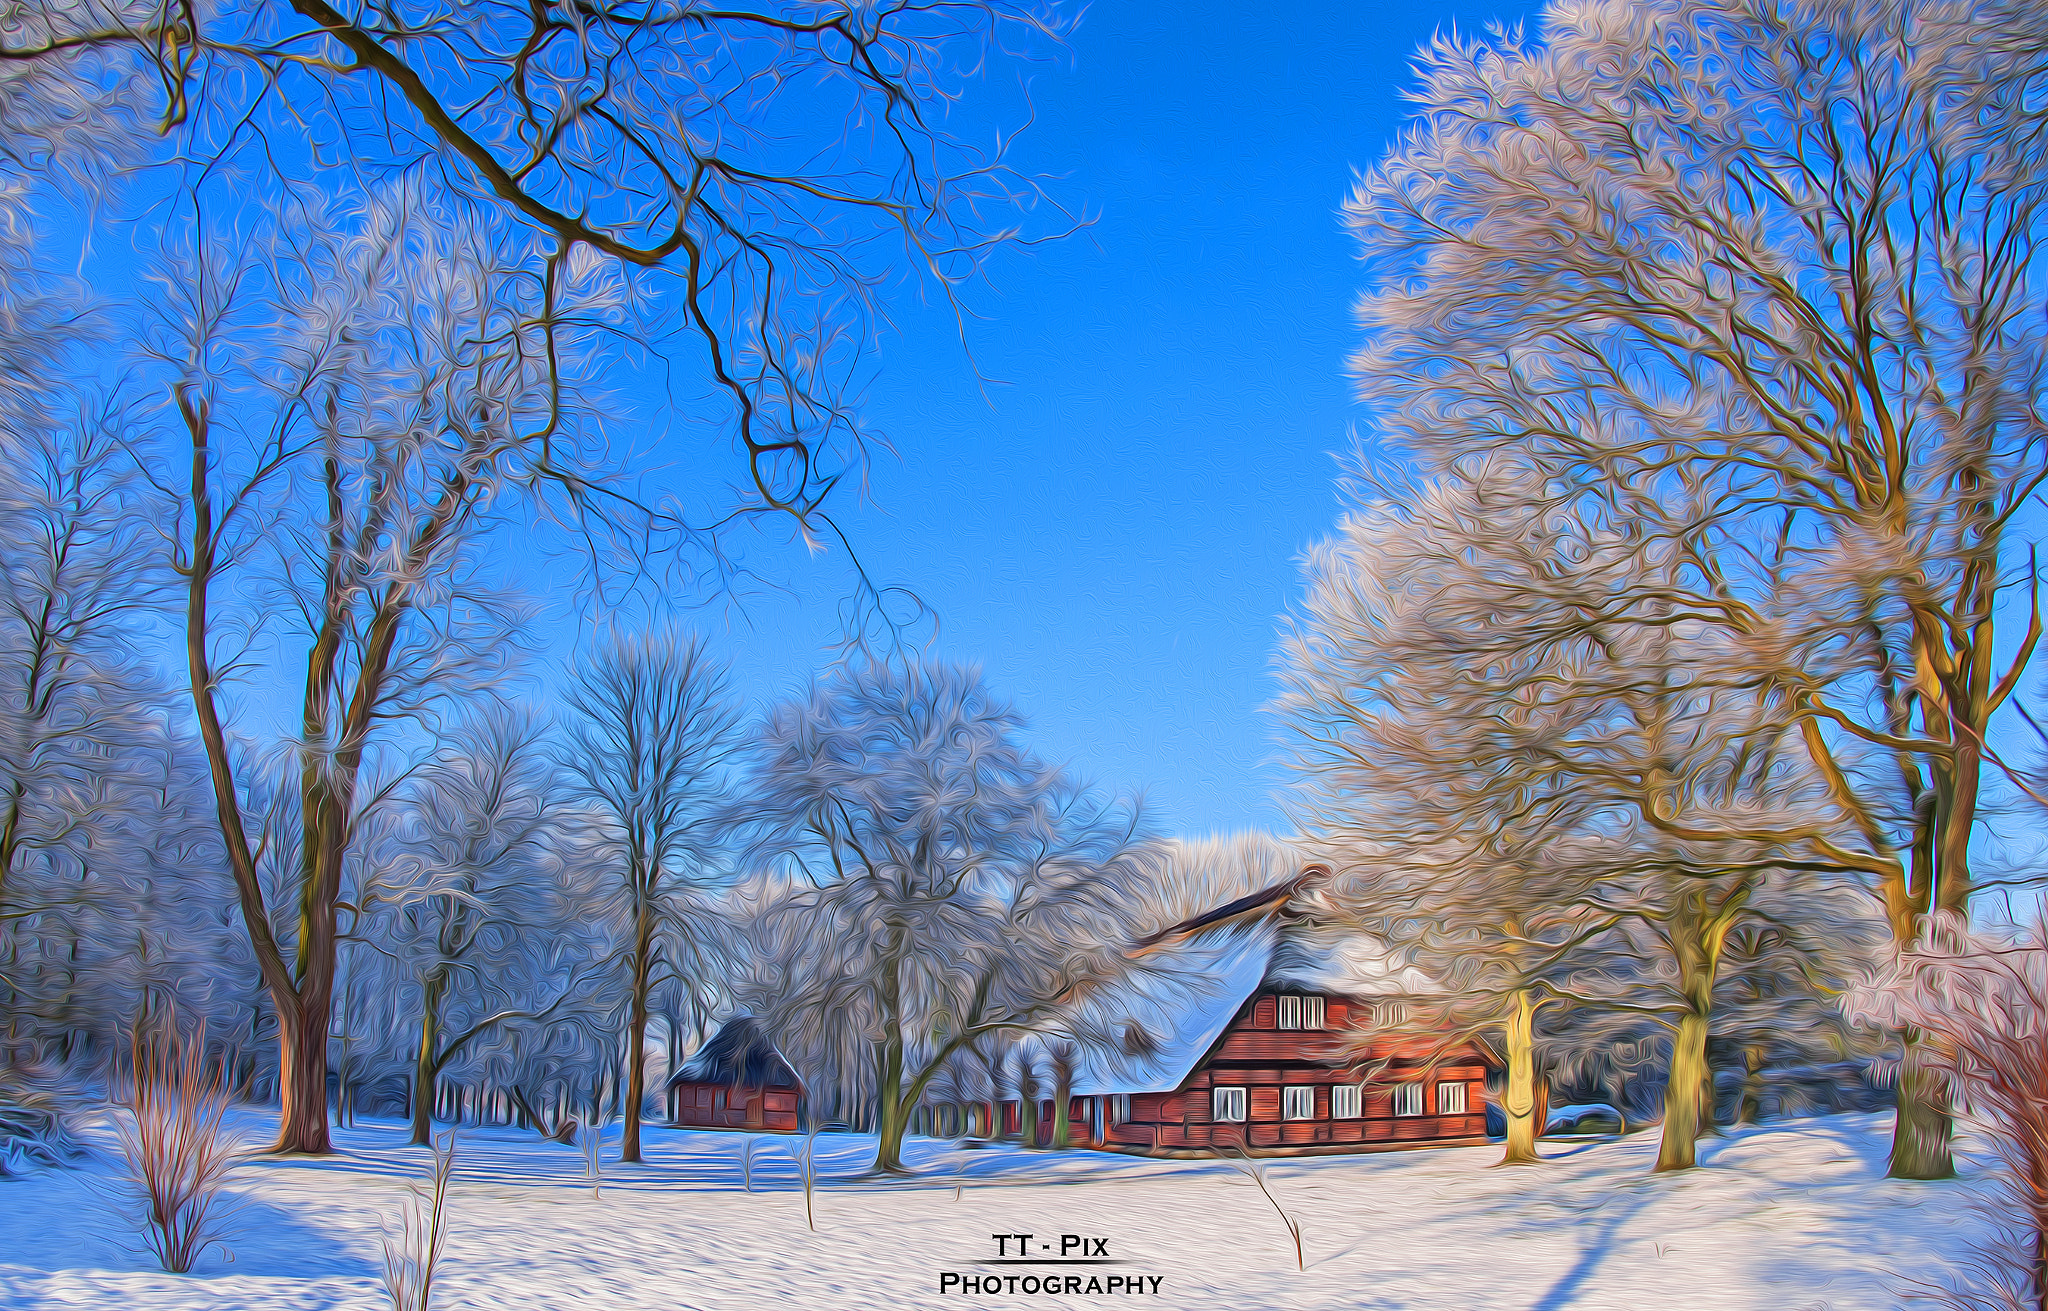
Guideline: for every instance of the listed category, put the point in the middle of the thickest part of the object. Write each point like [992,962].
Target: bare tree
[652,748]
[111,915]
[406,390]
[1782,259]
[962,887]
[761,174]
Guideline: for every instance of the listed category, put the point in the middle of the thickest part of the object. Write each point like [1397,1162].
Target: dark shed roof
[739,1054]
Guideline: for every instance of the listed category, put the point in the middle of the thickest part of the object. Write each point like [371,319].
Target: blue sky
[1111,531]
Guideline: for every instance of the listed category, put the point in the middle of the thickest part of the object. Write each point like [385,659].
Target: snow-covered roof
[1330,960]
[1213,983]
[1171,1019]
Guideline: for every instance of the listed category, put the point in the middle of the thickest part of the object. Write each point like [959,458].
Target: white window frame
[1229,1105]
[1347,1101]
[1295,1011]
[1407,1099]
[1450,1099]
[1293,1097]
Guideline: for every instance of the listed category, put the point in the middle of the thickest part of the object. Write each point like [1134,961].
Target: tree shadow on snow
[1595,1248]
[255,1239]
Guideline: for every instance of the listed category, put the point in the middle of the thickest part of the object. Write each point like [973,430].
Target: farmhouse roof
[1232,952]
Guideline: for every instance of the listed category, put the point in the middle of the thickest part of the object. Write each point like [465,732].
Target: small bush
[176,1142]
[413,1255]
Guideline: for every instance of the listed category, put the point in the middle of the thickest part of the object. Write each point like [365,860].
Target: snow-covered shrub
[1980,1002]
[34,1132]
[414,1253]
[175,1138]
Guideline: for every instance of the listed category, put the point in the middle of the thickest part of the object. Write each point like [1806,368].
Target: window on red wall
[1346,1102]
[1229,1106]
[1300,1012]
[1408,1099]
[1450,1099]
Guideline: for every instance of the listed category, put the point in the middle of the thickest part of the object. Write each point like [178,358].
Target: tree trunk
[893,1120]
[1956,818]
[1520,1102]
[1751,1108]
[1687,1106]
[302,1081]
[1697,935]
[889,1074]
[1027,1107]
[1682,1093]
[1921,1124]
[344,1102]
[1940,879]
[672,1045]
[636,1049]
[426,1064]
[1922,1127]
[1062,1110]
[10,836]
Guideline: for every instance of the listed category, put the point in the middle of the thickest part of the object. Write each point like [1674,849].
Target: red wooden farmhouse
[1279,1049]
[1294,1055]
[1295,1070]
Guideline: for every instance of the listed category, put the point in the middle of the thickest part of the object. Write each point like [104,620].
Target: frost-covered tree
[104,905]
[651,747]
[959,886]
[461,901]
[1543,804]
[74,703]
[123,914]
[1778,263]
[74,572]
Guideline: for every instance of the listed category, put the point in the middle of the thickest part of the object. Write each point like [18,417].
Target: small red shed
[736,1081]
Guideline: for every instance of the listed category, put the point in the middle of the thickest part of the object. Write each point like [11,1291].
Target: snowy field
[1793,1216]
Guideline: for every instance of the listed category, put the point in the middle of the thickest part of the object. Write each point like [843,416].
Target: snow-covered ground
[1794,1216]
